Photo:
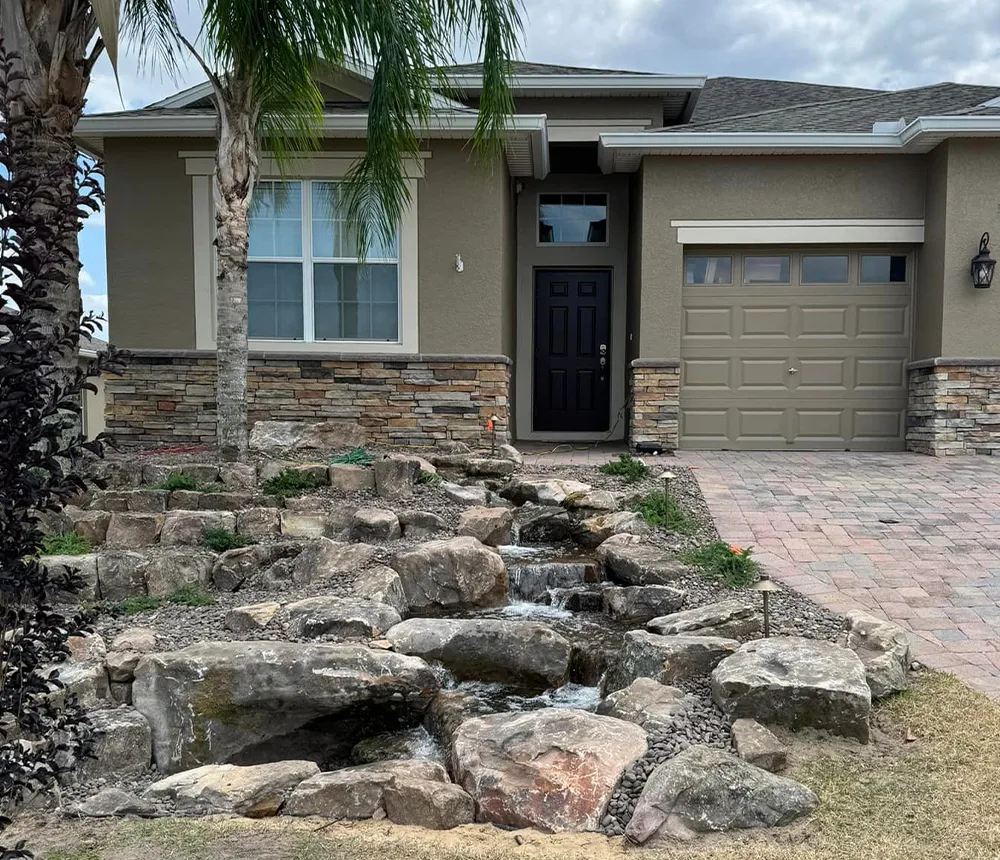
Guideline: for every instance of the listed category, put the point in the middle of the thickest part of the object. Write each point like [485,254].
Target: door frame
[525,366]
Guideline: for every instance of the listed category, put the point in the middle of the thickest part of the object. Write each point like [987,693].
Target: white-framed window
[304,281]
[573,219]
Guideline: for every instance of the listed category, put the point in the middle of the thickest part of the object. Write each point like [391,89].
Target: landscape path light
[765,585]
[667,477]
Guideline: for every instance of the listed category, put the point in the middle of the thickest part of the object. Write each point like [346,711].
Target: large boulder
[346,478]
[113,803]
[553,769]
[91,525]
[236,566]
[339,617]
[187,528]
[522,653]
[122,745]
[542,524]
[310,524]
[357,792]
[420,524]
[795,682]
[170,570]
[134,531]
[704,790]
[84,566]
[272,436]
[214,701]
[542,491]
[324,560]
[472,494]
[534,581]
[258,522]
[594,531]
[491,526]
[256,791]
[667,659]
[121,575]
[591,501]
[883,648]
[375,524]
[637,604]
[396,476]
[757,744]
[642,564]
[730,618]
[428,803]
[646,703]
[456,573]
[383,585]
[242,620]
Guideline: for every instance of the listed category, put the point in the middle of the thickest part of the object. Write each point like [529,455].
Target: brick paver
[909,537]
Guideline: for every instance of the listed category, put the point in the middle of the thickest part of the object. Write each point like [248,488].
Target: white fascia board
[803,231]
[185,97]
[581,84]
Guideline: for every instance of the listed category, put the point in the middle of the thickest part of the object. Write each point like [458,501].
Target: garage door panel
[795,366]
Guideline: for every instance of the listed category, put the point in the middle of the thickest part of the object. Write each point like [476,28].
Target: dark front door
[572,350]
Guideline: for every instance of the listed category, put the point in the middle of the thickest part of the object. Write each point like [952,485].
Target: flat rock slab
[646,703]
[596,530]
[667,659]
[210,702]
[428,803]
[796,682]
[641,564]
[491,526]
[704,790]
[383,585]
[375,524]
[323,560]
[542,491]
[884,649]
[114,803]
[322,435]
[533,581]
[638,604]
[553,769]
[357,792]
[757,745]
[456,573]
[522,653]
[340,617]
[730,618]
[256,791]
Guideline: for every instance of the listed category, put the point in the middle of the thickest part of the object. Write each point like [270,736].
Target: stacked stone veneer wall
[954,407]
[654,399]
[168,398]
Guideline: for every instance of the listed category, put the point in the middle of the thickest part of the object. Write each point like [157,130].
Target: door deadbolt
[604,349]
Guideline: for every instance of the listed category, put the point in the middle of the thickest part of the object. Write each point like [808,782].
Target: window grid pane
[708,270]
[573,219]
[354,303]
[883,269]
[766,270]
[274,300]
[276,220]
[825,269]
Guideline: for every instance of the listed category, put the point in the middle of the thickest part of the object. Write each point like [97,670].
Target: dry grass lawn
[934,798]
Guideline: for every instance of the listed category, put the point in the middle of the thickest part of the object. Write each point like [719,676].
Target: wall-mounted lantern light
[983,265]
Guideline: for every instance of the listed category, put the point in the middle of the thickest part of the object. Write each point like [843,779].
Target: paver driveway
[913,538]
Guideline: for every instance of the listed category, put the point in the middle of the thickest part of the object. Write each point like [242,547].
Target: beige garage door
[795,350]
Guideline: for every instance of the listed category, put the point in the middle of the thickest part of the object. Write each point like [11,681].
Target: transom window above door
[572,219]
[304,278]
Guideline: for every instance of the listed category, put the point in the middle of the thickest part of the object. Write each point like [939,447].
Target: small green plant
[661,509]
[191,595]
[289,483]
[628,468]
[730,565]
[134,605]
[178,481]
[355,457]
[431,479]
[222,540]
[65,543]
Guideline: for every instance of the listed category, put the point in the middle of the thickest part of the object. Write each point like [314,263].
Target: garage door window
[883,269]
[766,270]
[708,270]
[825,269]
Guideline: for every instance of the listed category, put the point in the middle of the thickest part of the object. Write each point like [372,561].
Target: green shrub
[65,543]
[630,469]
[730,565]
[178,481]
[355,457]
[661,509]
[134,605]
[191,595]
[431,479]
[222,540]
[289,483]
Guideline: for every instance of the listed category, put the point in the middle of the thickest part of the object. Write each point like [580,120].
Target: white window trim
[607,227]
[200,166]
[809,231]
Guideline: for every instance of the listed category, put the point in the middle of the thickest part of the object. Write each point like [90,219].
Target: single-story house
[680,261]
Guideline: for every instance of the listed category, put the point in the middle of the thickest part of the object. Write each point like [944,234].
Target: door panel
[795,366]
[572,323]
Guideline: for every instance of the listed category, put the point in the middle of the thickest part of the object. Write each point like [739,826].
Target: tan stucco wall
[928,308]
[970,317]
[634,290]
[461,211]
[736,187]
[150,245]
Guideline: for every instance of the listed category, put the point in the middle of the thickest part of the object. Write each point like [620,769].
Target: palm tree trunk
[235,175]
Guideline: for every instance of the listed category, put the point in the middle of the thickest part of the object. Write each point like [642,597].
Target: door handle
[793,370]
[604,361]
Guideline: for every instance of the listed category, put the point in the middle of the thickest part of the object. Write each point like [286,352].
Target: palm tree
[259,56]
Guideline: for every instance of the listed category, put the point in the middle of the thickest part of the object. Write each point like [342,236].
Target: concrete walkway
[913,538]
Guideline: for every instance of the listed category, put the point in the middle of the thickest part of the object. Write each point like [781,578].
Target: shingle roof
[853,114]
[525,68]
[726,97]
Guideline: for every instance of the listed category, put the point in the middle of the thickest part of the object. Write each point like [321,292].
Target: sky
[890,44]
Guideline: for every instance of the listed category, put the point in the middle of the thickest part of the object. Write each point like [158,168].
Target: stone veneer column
[168,397]
[954,406]
[654,402]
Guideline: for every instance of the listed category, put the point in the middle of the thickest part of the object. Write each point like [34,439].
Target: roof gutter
[921,132]
[582,84]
